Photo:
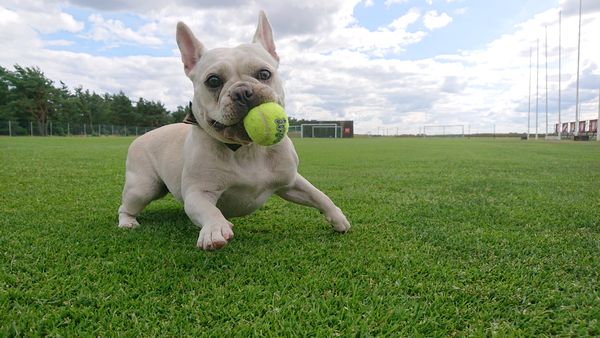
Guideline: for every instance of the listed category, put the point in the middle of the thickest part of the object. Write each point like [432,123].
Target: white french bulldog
[211,165]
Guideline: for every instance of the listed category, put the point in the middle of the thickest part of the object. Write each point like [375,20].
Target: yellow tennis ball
[266,124]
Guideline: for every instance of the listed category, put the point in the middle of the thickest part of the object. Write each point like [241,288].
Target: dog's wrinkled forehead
[243,60]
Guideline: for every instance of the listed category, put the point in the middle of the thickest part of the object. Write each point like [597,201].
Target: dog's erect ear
[264,35]
[191,49]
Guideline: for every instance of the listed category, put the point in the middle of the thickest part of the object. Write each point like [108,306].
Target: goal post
[320,130]
[444,130]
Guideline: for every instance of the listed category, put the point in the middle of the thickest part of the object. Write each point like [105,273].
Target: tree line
[28,96]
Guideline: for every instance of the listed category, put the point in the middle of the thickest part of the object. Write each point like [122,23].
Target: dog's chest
[253,183]
[240,201]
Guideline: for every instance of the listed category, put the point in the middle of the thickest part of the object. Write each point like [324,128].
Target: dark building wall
[347,129]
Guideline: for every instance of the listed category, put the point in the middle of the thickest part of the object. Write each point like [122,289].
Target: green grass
[450,237]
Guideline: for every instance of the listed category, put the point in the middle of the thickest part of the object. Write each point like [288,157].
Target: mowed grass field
[450,237]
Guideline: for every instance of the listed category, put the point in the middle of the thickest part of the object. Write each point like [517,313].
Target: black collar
[233,146]
[190,119]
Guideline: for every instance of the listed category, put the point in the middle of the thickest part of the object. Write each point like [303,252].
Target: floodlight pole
[598,120]
[578,58]
[546,52]
[559,131]
[537,88]
[529,104]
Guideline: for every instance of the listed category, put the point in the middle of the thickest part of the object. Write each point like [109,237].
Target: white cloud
[7,16]
[58,43]
[407,19]
[68,23]
[45,20]
[394,2]
[434,20]
[345,35]
[571,7]
[461,11]
[115,31]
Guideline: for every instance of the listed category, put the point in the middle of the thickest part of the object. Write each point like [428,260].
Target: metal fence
[28,128]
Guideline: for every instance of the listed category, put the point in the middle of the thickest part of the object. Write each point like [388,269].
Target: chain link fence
[29,128]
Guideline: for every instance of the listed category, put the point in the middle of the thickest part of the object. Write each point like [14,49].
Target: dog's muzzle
[243,95]
[238,100]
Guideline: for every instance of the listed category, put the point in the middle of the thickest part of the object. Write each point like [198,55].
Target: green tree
[66,110]
[65,104]
[150,113]
[27,95]
[91,108]
[122,111]
[178,115]
[5,87]
[32,96]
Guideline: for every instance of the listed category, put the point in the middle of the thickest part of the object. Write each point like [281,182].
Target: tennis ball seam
[266,129]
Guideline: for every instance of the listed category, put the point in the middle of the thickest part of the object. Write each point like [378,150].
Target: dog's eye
[213,82]
[263,75]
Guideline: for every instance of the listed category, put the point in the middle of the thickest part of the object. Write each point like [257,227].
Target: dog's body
[199,166]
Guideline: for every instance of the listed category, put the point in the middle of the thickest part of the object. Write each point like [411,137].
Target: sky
[389,65]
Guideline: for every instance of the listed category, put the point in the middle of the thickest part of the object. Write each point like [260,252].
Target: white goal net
[323,130]
[447,130]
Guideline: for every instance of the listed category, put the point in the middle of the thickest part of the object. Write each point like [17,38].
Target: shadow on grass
[166,221]
[160,215]
[257,231]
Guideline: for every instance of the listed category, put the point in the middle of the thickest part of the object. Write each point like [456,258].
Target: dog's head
[228,82]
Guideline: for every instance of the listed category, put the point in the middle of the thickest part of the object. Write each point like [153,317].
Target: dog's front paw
[215,236]
[127,221]
[338,221]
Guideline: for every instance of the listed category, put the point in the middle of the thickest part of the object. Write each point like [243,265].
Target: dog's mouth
[216,125]
[234,132]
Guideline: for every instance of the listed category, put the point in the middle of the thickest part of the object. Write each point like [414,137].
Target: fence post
[31,128]
[84,131]
[99,129]
[50,128]
[68,130]
[112,130]
[9,129]
[135,130]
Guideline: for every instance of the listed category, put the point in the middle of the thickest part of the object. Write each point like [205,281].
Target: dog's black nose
[242,94]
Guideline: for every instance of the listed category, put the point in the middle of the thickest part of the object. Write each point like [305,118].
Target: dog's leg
[216,229]
[137,193]
[304,193]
